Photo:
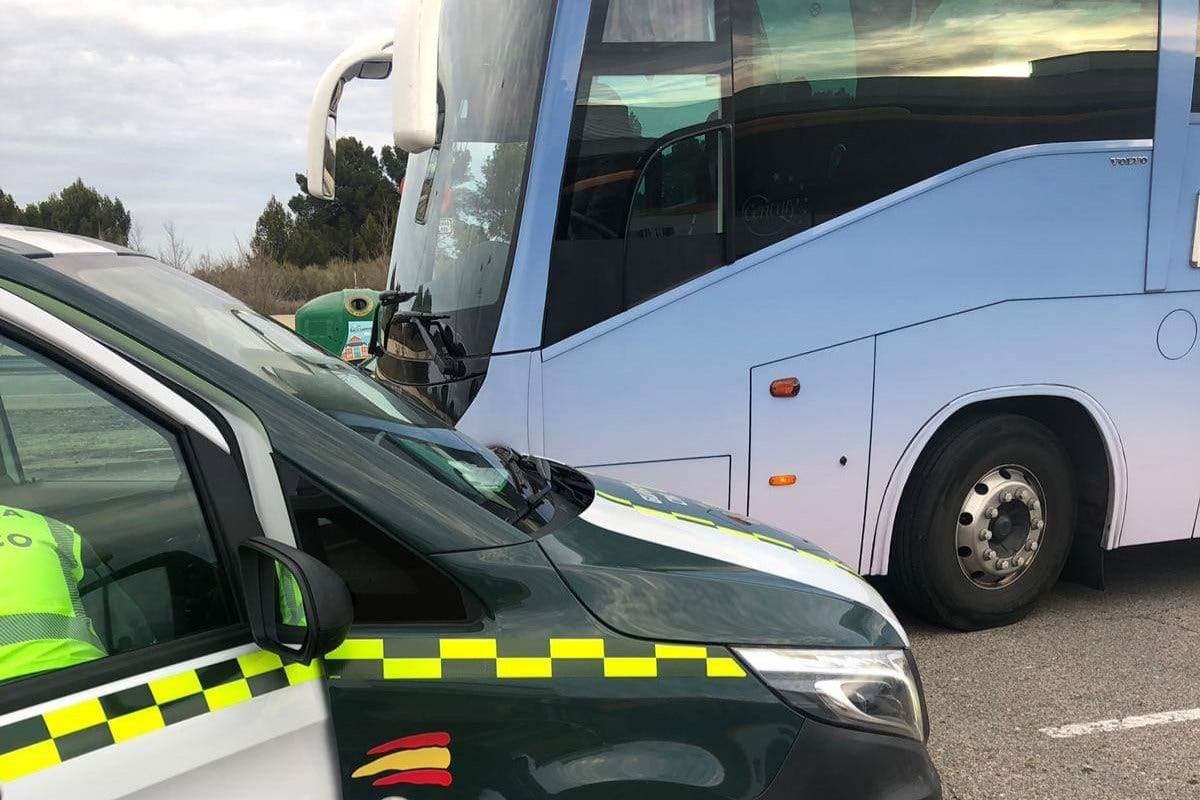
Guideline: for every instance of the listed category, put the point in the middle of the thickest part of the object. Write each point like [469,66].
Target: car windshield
[456,225]
[275,354]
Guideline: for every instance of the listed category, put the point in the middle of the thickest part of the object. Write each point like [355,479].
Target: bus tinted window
[660,21]
[841,102]
[1196,76]
[642,202]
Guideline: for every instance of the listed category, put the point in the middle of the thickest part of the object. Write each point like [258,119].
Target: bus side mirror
[415,82]
[366,59]
[299,608]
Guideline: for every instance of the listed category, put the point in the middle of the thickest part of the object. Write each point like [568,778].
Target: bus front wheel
[985,524]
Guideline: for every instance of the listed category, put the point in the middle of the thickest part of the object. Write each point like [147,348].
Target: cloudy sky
[191,111]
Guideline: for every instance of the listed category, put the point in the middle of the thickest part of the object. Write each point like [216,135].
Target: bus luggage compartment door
[818,432]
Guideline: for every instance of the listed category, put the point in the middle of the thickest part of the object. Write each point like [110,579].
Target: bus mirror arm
[368,59]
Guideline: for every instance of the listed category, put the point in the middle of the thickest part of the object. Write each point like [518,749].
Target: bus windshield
[456,227]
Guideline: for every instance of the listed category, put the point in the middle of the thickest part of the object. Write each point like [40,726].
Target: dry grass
[271,288]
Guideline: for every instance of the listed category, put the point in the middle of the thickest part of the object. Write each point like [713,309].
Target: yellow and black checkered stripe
[49,739]
[428,658]
[53,737]
[708,523]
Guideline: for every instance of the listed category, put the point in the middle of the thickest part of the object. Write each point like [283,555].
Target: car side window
[388,582]
[50,414]
[104,548]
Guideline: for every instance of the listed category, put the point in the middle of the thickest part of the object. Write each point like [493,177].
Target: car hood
[654,565]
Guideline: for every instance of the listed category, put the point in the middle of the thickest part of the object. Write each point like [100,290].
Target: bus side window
[1196,76]
[660,21]
[842,102]
[676,223]
[642,198]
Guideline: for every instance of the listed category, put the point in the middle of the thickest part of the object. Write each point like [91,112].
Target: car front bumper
[834,763]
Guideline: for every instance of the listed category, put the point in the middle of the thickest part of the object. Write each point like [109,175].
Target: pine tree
[10,212]
[272,232]
[81,209]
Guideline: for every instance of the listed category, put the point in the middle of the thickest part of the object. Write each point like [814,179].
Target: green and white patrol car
[298,584]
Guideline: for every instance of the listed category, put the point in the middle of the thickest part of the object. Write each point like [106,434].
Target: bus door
[1173,254]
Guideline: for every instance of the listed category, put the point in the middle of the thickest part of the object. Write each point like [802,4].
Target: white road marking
[1125,724]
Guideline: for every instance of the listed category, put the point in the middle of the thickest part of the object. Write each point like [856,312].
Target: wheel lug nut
[1020,561]
[1035,503]
[1008,497]
[985,536]
[989,554]
[992,513]
[1021,495]
[1038,524]
[1003,563]
[1032,546]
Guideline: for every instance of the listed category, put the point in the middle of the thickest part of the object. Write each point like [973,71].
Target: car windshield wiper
[533,498]
[451,365]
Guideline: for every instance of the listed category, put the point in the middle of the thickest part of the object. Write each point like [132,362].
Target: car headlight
[874,690]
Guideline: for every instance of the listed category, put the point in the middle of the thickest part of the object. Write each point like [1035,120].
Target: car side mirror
[299,608]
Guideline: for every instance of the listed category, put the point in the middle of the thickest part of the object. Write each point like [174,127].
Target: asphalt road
[1083,656]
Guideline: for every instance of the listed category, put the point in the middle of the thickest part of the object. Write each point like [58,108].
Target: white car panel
[52,242]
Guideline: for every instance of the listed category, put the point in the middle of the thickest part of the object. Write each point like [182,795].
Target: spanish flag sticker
[419,760]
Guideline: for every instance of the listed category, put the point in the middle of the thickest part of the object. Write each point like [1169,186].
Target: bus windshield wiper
[450,365]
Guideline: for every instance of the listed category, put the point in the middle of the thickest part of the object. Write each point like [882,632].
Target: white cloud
[188,111]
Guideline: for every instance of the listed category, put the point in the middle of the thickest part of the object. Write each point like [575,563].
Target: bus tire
[985,523]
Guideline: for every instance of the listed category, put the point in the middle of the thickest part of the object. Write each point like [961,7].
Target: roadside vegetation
[297,251]
[273,288]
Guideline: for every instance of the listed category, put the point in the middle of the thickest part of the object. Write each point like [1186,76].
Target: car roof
[40,243]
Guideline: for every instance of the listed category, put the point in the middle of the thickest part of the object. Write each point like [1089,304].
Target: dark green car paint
[651,591]
[564,736]
[693,599]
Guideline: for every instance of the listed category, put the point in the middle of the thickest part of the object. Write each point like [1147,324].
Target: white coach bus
[916,279]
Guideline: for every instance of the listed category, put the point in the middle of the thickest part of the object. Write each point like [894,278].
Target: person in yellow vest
[291,602]
[43,625]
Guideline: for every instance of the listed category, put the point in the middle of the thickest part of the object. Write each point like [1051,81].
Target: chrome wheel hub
[1000,527]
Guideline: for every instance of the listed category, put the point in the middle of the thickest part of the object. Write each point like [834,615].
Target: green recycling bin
[340,322]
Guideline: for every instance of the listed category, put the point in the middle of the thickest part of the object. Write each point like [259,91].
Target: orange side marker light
[785,387]
[782,480]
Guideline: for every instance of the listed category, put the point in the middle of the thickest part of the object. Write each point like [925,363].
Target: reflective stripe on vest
[21,628]
[33,626]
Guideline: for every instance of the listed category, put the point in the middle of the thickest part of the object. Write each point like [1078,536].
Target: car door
[389,732]
[174,699]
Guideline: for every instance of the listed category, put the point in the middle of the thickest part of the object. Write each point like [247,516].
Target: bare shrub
[177,253]
[272,288]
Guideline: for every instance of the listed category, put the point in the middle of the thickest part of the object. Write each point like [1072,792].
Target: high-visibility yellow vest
[43,625]
[291,601]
